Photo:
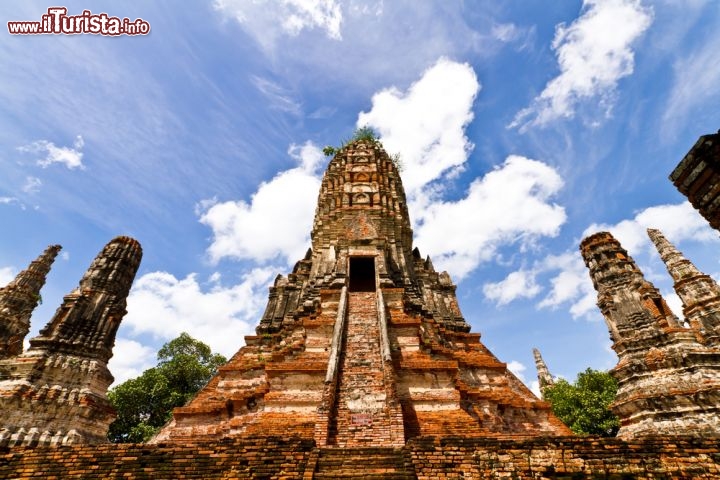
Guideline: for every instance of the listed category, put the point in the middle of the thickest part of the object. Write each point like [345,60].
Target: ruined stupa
[668,372]
[363,343]
[55,392]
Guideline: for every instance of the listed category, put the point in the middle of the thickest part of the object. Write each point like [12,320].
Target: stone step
[361,379]
[364,463]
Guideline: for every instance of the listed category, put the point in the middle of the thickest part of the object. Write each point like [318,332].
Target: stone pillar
[18,300]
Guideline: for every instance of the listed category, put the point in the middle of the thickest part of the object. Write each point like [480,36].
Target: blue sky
[523,126]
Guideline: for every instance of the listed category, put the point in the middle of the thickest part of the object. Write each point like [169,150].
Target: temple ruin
[363,367]
[363,343]
[55,392]
[668,373]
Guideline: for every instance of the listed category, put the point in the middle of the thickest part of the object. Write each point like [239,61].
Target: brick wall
[667,458]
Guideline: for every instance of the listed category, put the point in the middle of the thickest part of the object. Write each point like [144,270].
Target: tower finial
[677,265]
[543,373]
[19,298]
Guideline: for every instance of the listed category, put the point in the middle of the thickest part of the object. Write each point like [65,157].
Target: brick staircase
[363,417]
[368,463]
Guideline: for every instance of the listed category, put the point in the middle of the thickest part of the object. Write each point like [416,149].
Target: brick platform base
[567,458]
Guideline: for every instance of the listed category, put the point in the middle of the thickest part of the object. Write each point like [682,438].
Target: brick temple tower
[668,374]
[18,299]
[55,392]
[363,344]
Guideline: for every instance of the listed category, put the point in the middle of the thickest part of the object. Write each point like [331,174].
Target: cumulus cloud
[165,306]
[130,359]
[71,157]
[426,124]
[678,222]
[7,274]
[276,222]
[569,281]
[519,284]
[32,185]
[594,52]
[266,21]
[510,204]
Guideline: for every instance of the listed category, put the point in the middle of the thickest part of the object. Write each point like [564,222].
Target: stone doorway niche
[362,274]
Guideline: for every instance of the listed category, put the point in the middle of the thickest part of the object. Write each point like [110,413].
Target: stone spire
[90,315]
[545,379]
[18,299]
[363,343]
[699,293]
[56,392]
[659,360]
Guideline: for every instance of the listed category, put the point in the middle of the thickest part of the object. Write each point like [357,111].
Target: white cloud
[266,21]
[71,157]
[508,205]
[32,185]
[519,284]
[277,221]
[594,53]
[535,388]
[517,369]
[505,32]
[279,97]
[695,83]
[7,274]
[426,124]
[571,284]
[677,222]
[165,306]
[130,359]
[673,301]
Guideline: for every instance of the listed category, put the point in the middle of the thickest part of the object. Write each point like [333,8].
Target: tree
[144,404]
[584,405]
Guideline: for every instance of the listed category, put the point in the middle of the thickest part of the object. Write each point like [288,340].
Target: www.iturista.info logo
[58,22]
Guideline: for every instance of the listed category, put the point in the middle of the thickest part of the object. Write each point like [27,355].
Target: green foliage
[583,405]
[144,404]
[364,133]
